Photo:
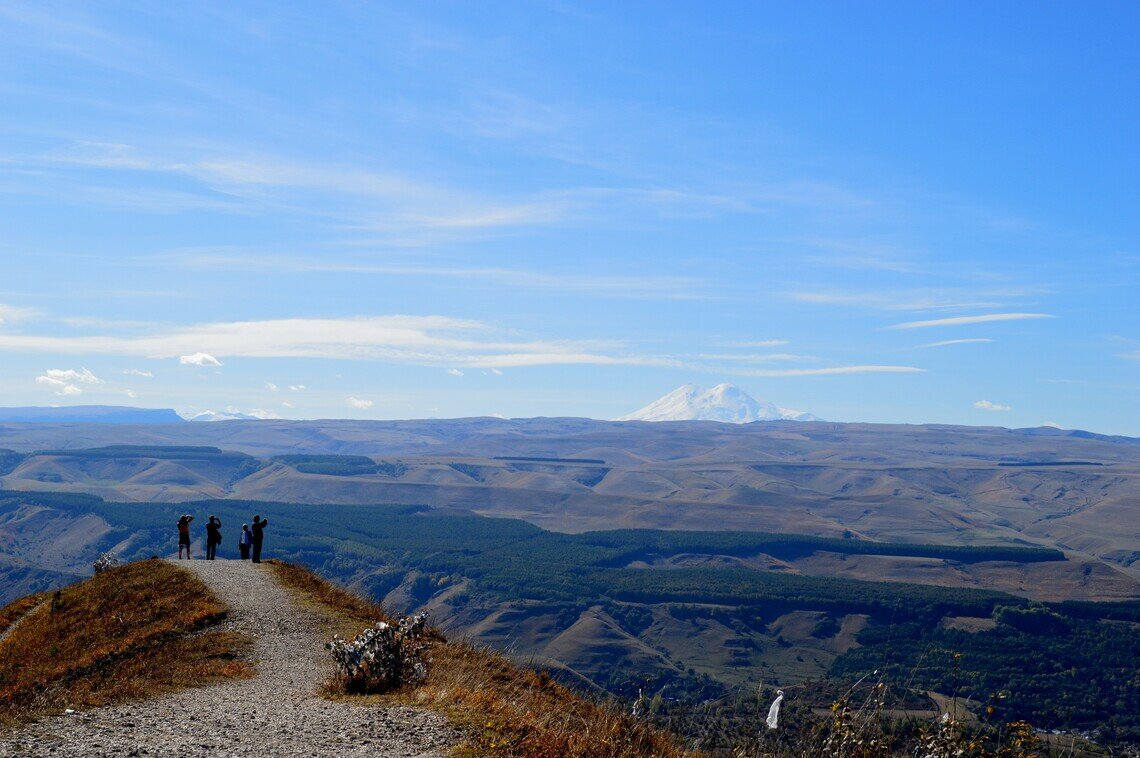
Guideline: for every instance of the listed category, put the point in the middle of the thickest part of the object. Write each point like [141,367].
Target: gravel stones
[276,713]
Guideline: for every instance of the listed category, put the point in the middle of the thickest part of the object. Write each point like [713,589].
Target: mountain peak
[725,402]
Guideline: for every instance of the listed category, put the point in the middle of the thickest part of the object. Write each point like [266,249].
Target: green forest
[1068,665]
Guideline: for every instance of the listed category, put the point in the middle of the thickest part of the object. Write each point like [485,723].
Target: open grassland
[15,611]
[502,709]
[129,632]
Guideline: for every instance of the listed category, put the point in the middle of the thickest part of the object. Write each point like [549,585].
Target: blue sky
[892,212]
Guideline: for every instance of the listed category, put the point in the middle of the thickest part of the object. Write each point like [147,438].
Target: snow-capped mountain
[724,402]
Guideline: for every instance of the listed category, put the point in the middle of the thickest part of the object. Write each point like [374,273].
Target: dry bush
[502,709]
[129,632]
[384,656]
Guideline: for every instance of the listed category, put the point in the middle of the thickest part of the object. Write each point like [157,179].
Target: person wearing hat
[184,535]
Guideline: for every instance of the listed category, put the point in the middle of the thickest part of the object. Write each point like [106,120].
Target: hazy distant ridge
[90,414]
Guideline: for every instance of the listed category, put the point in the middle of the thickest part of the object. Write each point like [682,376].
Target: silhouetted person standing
[259,525]
[213,537]
[184,535]
[245,540]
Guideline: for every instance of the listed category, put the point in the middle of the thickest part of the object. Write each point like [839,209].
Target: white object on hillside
[774,711]
[726,403]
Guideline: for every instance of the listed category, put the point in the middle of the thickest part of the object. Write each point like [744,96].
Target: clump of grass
[501,709]
[130,632]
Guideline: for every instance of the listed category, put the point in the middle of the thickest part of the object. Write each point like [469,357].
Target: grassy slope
[124,634]
[502,709]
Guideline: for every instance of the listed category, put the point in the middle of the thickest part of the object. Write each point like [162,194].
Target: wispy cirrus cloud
[986,405]
[419,340]
[648,287]
[860,255]
[917,299]
[755,343]
[390,203]
[827,371]
[947,343]
[754,357]
[964,320]
[11,313]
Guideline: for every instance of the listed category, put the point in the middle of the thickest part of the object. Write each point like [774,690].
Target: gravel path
[276,713]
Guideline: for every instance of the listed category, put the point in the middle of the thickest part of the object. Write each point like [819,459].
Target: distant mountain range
[726,403]
[90,414]
[222,416]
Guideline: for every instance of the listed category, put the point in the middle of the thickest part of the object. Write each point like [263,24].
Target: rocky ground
[276,713]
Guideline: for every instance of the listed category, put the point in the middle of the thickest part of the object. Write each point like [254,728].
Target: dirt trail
[276,713]
[12,627]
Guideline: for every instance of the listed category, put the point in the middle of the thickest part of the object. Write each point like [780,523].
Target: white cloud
[757,343]
[598,285]
[138,372]
[12,313]
[296,388]
[496,372]
[961,320]
[455,372]
[66,381]
[422,340]
[130,393]
[946,343]
[271,386]
[287,404]
[358,403]
[1052,424]
[417,340]
[755,358]
[986,405]
[830,371]
[199,359]
[67,376]
[923,298]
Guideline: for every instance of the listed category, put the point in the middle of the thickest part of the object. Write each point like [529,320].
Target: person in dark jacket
[184,535]
[245,539]
[213,537]
[258,531]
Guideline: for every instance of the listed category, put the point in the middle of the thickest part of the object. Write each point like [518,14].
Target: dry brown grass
[501,709]
[129,632]
[17,609]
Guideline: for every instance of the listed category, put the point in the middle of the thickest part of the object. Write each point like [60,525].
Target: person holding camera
[184,535]
[259,525]
[213,537]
